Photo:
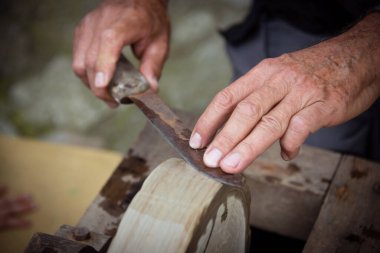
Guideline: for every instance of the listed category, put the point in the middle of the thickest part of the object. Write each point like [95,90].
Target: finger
[111,44]
[90,61]
[221,107]
[82,40]
[101,93]
[300,127]
[243,119]
[270,128]
[153,60]
[19,205]
[15,222]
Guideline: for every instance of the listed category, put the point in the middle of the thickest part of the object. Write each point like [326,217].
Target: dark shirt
[323,17]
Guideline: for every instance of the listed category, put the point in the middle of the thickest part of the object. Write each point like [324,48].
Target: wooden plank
[182,210]
[349,220]
[63,180]
[42,243]
[286,196]
[105,212]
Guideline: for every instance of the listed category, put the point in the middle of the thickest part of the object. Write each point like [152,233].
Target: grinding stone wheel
[179,209]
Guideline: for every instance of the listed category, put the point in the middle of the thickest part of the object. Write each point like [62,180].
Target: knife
[129,85]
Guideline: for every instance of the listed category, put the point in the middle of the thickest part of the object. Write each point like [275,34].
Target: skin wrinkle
[139,23]
[323,85]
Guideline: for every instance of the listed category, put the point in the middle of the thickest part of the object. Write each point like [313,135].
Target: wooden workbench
[63,180]
[329,199]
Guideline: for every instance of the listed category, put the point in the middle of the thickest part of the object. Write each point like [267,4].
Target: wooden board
[286,196]
[349,220]
[179,209]
[63,180]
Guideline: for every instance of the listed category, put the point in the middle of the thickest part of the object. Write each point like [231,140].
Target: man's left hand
[291,96]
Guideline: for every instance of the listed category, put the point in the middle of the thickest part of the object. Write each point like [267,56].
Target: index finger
[222,105]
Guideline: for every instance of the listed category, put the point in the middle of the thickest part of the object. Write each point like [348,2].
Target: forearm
[362,43]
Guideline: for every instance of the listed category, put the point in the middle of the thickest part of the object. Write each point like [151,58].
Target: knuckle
[272,123]
[223,100]
[224,141]
[298,125]
[90,61]
[246,148]
[78,68]
[109,35]
[266,62]
[247,109]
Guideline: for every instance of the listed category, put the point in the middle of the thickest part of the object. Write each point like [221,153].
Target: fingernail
[232,160]
[195,141]
[212,158]
[100,80]
[284,156]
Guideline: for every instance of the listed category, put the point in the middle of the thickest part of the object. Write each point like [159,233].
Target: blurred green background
[41,98]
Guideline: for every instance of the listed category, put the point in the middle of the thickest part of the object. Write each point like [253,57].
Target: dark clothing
[275,27]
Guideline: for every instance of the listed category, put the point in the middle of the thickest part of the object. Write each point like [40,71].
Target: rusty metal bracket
[68,239]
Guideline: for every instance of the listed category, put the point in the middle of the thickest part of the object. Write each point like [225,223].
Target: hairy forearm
[362,42]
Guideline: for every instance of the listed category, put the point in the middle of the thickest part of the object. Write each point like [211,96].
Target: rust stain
[225,213]
[293,168]
[358,173]
[325,180]
[111,231]
[168,124]
[353,238]
[131,193]
[376,188]
[342,192]
[267,166]
[272,179]
[297,184]
[371,232]
[118,193]
[111,208]
[186,133]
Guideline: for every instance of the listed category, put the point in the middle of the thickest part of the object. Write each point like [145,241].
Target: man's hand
[291,96]
[13,209]
[103,33]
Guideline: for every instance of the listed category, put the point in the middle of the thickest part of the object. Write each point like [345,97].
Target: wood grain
[349,220]
[179,209]
[286,196]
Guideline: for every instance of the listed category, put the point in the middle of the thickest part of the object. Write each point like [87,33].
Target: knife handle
[126,81]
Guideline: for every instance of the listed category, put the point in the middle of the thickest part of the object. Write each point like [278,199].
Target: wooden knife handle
[126,81]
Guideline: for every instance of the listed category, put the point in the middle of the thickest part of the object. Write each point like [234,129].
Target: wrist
[361,45]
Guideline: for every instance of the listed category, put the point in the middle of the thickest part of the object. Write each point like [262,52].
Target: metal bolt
[81,233]
[376,188]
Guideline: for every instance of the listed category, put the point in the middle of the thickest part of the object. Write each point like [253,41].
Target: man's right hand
[102,34]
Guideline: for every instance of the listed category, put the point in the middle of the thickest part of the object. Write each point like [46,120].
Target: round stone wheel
[179,209]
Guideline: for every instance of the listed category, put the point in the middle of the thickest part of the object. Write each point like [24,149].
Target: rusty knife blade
[174,131]
[128,84]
